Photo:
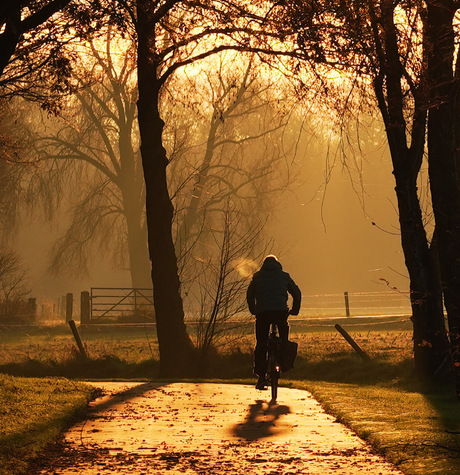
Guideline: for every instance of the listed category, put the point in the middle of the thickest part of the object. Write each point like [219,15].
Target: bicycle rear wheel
[274,377]
[274,386]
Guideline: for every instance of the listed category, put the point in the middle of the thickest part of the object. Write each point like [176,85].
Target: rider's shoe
[261,383]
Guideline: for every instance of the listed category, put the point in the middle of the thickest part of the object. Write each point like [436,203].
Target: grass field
[416,427]
[32,414]
[132,352]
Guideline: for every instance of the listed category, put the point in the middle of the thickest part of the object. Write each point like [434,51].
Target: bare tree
[219,291]
[240,152]
[170,36]
[95,141]
[13,276]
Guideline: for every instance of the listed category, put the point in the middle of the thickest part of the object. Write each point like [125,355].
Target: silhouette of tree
[382,47]
[170,36]
[221,283]
[441,37]
[13,277]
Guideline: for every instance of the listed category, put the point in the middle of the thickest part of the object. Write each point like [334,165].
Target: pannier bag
[288,355]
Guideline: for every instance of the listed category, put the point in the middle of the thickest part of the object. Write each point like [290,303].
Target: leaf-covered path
[192,428]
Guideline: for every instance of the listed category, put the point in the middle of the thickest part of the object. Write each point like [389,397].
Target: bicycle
[273,360]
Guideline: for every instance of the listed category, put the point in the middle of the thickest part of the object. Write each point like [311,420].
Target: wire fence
[356,304]
[129,305]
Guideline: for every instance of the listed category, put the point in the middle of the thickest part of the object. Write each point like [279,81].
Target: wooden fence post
[85,314]
[76,335]
[352,342]
[69,307]
[347,304]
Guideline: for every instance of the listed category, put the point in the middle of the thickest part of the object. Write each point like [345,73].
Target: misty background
[288,174]
[334,229]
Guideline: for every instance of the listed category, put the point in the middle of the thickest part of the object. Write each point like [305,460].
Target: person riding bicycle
[267,298]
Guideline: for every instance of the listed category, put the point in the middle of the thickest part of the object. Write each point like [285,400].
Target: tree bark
[174,343]
[429,334]
[442,162]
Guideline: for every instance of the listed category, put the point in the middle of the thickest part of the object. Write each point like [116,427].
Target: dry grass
[130,352]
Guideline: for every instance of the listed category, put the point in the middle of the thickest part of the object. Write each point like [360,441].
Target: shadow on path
[261,421]
[118,397]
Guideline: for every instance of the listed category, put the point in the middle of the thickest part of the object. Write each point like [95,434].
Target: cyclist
[267,298]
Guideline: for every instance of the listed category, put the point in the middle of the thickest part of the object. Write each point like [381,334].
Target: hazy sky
[323,236]
[332,245]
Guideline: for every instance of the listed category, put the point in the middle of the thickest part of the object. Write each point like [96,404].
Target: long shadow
[447,405]
[122,396]
[350,369]
[91,368]
[261,421]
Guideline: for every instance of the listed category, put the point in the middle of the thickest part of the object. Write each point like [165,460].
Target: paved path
[188,428]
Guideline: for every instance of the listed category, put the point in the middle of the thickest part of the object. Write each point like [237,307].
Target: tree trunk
[442,162]
[131,184]
[139,262]
[174,342]
[429,335]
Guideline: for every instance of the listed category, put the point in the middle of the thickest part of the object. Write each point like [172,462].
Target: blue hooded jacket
[269,288]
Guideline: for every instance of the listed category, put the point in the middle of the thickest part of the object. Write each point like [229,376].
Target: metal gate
[121,305]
